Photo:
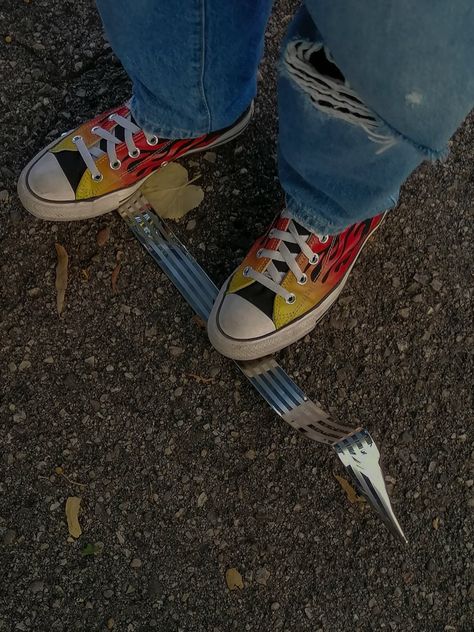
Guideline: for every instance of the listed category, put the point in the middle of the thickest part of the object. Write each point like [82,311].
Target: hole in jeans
[312,68]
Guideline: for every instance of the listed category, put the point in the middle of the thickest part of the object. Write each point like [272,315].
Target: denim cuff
[317,223]
[147,122]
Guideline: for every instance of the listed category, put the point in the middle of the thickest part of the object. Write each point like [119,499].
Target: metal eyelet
[98,177]
[291,299]
[111,117]
[270,233]
[153,140]
[134,154]
[115,165]
[245,271]
[94,129]
[302,280]
[314,259]
[164,163]
[76,138]
[259,253]
[324,239]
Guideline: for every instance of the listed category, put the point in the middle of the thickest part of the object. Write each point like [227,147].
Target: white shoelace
[272,277]
[91,154]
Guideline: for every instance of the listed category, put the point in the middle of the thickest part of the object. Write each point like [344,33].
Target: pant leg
[347,145]
[193,64]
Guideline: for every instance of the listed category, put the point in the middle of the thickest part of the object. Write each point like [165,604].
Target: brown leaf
[352,495]
[103,236]
[200,379]
[73,504]
[114,278]
[234,579]
[61,276]
[199,322]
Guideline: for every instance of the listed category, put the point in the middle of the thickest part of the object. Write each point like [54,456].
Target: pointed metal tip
[360,457]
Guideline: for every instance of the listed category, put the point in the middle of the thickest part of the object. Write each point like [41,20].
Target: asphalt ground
[126,397]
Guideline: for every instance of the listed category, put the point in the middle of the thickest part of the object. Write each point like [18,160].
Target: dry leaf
[73,504]
[234,579]
[114,278]
[103,236]
[170,192]
[200,379]
[352,495]
[86,273]
[199,322]
[61,277]
[436,523]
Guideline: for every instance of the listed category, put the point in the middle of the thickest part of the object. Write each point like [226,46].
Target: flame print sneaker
[94,168]
[286,283]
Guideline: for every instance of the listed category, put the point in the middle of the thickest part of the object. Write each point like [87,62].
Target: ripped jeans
[367,90]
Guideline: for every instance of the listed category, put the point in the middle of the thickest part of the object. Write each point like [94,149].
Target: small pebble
[176,351]
[262,576]
[9,536]
[202,499]
[406,437]
[37,586]
[136,563]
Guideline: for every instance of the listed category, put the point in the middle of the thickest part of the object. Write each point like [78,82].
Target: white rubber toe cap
[46,180]
[240,320]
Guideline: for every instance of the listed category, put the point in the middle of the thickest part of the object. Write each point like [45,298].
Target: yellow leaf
[170,192]
[234,579]
[352,495]
[59,470]
[61,276]
[73,504]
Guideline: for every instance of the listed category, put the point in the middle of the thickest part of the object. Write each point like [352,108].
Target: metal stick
[355,447]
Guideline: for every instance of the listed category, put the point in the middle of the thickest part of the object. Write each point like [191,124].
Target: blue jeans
[367,89]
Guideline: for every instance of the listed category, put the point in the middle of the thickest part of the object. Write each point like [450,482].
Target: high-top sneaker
[94,168]
[285,284]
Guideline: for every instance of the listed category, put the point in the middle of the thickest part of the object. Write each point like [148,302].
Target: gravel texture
[183,478]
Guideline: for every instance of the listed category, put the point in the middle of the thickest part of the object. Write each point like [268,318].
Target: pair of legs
[366,92]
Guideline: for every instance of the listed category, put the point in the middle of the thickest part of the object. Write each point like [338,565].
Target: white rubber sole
[255,348]
[86,209]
